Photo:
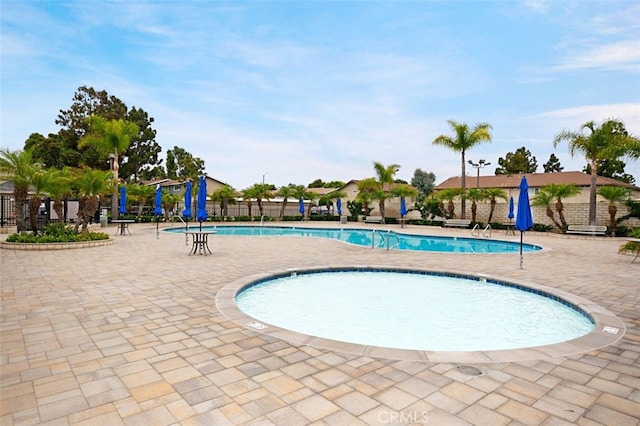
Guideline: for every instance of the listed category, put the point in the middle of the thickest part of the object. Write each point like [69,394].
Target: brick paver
[130,333]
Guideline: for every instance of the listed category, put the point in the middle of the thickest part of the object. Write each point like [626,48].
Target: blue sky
[297,90]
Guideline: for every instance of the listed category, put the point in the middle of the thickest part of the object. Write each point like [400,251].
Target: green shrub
[56,233]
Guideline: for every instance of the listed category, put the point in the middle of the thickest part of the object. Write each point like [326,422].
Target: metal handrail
[487,228]
[476,227]
[388,233]
[186,236]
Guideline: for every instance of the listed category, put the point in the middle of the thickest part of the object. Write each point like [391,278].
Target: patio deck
[130,334]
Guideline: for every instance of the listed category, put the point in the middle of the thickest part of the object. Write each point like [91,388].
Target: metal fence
[7,211]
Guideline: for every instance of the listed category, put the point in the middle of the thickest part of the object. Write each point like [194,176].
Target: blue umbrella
[123,200]
[158,207]
[339,204]
[202,214]
[524,220]
[510,215]
[301,206]
[187,201]
[403,207]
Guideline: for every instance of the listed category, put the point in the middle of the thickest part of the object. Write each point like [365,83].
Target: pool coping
[608,327]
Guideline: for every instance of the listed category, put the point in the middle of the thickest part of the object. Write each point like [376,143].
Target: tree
[86,102]
[225,195]
[613,169]
[607,141]
[300,192]
[385,175]
[58,187]
[475,195]
[285,192]
[248,194]
[169,201]
[424,182]
[334,184]
[182,164]
[614,195]
[516,163]
[448,195]
[142,153]
[110,138]
[17,166]
[463,140]
[142,194]
[560,191]
[367,189]
[318,183]
[90,184]
[262,192]
[492,194]
[544,199]
[553,165]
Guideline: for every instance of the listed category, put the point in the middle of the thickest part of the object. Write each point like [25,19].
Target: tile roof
[533,179]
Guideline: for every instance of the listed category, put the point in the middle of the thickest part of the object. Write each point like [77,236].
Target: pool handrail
[388,233]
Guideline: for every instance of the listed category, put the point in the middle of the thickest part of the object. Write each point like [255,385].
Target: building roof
[534,180]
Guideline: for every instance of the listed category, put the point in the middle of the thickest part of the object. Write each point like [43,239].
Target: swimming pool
[418,315]
[379,238]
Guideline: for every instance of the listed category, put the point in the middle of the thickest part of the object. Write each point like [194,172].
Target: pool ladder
[475,232]
[388,233]
[186,236]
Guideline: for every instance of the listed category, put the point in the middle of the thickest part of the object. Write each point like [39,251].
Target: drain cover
[470,370]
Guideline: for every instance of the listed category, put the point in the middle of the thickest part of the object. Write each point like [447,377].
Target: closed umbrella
[403,207]
[186,213]
[301,207]
[510,215]
[157,211]
[339,205]
[524,220]
[201,214]
[123,200]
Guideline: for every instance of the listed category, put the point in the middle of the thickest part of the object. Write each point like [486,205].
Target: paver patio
[129,333]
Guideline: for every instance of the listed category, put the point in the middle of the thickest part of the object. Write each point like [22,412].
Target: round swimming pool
[379,238]
[418,312]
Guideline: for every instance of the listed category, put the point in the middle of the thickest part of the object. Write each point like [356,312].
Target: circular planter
[54,246]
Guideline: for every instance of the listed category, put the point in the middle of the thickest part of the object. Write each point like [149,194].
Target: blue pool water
[363,237]
[413,310]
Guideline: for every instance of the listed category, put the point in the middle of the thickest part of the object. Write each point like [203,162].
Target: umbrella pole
[157,228]
[521,249]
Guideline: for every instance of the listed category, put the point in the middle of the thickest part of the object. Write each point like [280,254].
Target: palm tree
[613,194]
[225,195]
[559,191]
[17,166]
[90,185]
[385,175]
[463,140]
[544,199]
[142,194]
[475,195]
[262,192]
[449,195]
[110,138]
[248,194]
[367,190]
[169,201]
[58,187]
[608,141]
[38,181]
[285,192]
[492,194]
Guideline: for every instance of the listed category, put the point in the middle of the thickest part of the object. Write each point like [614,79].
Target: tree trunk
[474,209]
[464,187]
[613,210]
[20,194]
[553,219]
[592,195]
[493,207]
[34,206]
[560,209]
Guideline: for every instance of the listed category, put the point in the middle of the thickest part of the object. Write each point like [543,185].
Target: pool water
[420,311]
[364,237]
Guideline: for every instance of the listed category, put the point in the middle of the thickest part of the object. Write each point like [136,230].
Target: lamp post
[480,164]
[263,175]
